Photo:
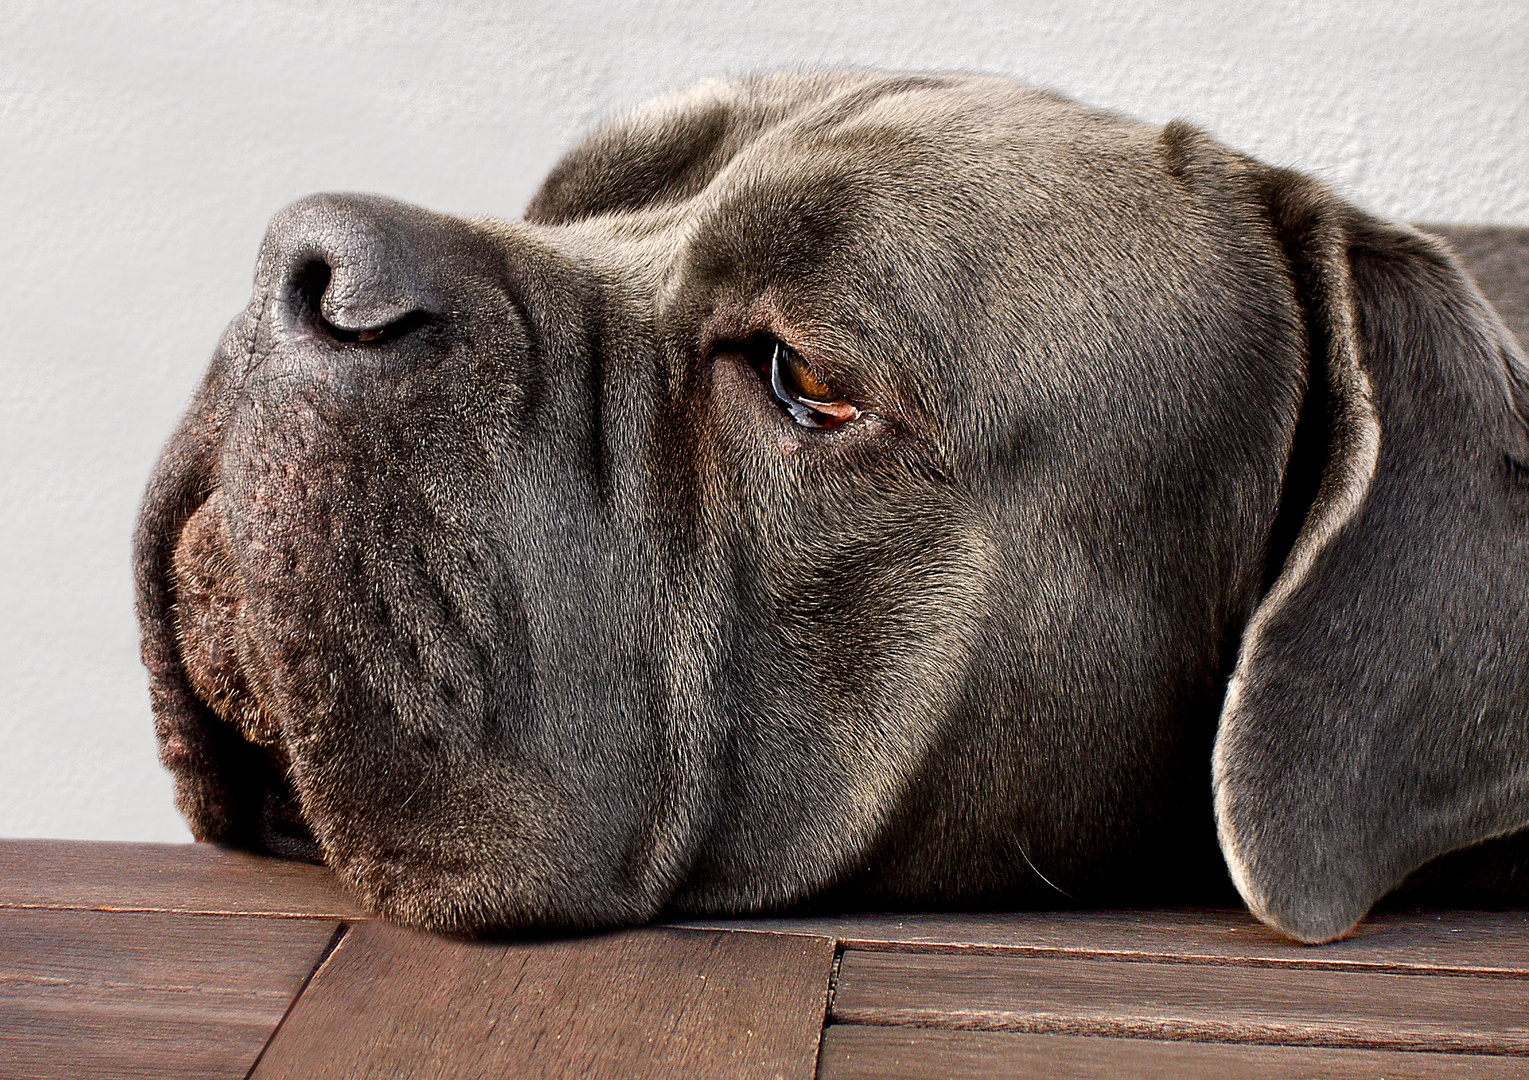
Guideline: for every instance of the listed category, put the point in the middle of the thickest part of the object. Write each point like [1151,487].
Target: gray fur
[486,568]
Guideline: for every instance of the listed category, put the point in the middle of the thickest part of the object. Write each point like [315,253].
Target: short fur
[1185,499]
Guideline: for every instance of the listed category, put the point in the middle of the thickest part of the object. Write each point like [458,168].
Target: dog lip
[209,612]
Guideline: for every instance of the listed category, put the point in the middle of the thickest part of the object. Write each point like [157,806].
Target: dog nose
[353,268]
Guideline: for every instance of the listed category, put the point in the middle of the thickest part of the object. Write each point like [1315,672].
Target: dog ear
[668,150]
[663,151]
[1378,716]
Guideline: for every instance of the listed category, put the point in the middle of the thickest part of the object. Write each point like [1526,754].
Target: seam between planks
[1128,956]
[828,1007]
[334,942]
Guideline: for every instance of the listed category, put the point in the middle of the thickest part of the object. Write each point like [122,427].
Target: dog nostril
[377,335]
[311,282]
[314,280]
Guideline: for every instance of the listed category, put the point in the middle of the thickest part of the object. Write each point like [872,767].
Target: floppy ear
[1378,716]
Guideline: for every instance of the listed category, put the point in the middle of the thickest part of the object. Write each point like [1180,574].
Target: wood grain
[1498,258]
[192,878]
[1186,1001]
[1425,942]
[92,994]
[640,1003]
[853,1052]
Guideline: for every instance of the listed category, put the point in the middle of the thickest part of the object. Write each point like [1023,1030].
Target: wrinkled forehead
[906,130]
[928,179]
[982,249]
[928,184]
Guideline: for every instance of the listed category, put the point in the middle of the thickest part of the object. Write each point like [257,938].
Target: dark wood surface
[652,1002]
[108,995]
[121,960]
[1498,258]
[910,1053]
[1203,1002]
[1426,942]
[165,877]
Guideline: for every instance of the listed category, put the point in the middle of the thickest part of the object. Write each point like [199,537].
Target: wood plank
[853,1052]
[639,1003]
[190,878]
[1493,943]
[1497,257]
[94,994]
[1185,1001]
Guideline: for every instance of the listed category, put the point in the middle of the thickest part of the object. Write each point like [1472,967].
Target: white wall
[144,145]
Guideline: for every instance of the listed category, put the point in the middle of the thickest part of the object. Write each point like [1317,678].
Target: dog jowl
[871,490]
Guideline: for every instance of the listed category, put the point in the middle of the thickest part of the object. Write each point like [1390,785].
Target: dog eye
[803,393]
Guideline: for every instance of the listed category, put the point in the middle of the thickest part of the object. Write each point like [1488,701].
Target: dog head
[862,483]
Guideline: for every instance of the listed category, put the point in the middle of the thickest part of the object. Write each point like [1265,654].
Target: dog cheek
[394,640]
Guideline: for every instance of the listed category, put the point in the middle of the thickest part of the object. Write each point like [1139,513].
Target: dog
[865,490]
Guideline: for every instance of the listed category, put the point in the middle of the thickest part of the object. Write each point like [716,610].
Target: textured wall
[145,145]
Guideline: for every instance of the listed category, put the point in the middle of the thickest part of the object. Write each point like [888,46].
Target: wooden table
[126,960]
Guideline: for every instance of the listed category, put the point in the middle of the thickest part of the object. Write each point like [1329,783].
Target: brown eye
[803,393]
[803,381]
